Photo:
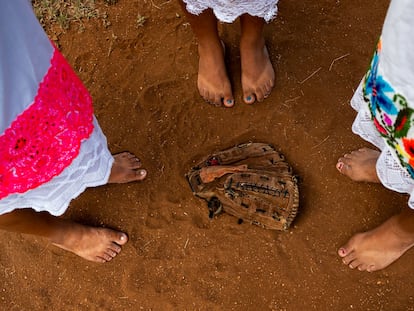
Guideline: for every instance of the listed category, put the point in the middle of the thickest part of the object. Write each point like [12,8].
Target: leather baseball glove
[251,181]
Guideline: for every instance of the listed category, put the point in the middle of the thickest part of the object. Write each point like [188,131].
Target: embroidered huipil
[51,146]
[385,100]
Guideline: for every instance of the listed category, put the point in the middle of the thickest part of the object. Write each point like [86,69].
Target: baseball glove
[251,181]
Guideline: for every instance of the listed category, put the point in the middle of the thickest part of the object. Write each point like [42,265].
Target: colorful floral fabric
[46,137]
[391,114]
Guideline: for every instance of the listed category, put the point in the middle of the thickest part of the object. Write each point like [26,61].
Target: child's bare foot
[360,165]
[126,169]
[258,75]
[91,243]
[376,249]
[213,83]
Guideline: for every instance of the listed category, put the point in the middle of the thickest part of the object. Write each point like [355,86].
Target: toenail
[230,102]
[339,166]
[248,98]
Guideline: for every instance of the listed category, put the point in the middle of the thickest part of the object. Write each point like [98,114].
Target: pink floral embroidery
[387,120]
[46,137]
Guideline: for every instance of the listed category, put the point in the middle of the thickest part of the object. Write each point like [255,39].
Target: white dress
[67,161]
[228,10]
[385,100]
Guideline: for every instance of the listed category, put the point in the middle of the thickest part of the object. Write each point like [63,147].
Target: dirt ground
[143,81]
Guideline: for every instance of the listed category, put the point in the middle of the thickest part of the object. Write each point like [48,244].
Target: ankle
[208,47]
[64,234]
[252,43]
[402,228]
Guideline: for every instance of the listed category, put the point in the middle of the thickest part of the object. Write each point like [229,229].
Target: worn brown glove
[251,181]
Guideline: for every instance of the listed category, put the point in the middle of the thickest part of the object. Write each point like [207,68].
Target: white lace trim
[91,168]
[390,172]
[228,10]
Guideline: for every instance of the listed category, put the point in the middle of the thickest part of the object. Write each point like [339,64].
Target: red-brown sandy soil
[143,81]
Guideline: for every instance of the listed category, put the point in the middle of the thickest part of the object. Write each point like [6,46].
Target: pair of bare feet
[376,249]
[258,76]
[257,73]
[100,244]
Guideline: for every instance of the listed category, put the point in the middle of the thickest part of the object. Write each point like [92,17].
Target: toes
[362,267]
[249,99]
[342,252]
[206,96]
[114,248]
[270,84]
[140,174]
[137,162]
[267,93]
[122,239]
[111,253]
[127,156]
[348,259]
[264,92]
[221,98]
[203,94]
[341,166]
[125,172]
[260,95]
[119,238]
[127,159]
[134,163]
[105,257]
[124,154]
[217,101]
[354,264]
[134,175]
[100,259]
[212,101]
[347,255]
[228,102]
[220,101]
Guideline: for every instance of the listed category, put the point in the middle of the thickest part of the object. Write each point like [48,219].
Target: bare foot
[360,165]
[213,83]
[126,169]
[378,248]
[258,75]
[91,243]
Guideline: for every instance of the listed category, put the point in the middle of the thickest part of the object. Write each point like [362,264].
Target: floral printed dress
[385,100]
[51,146]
